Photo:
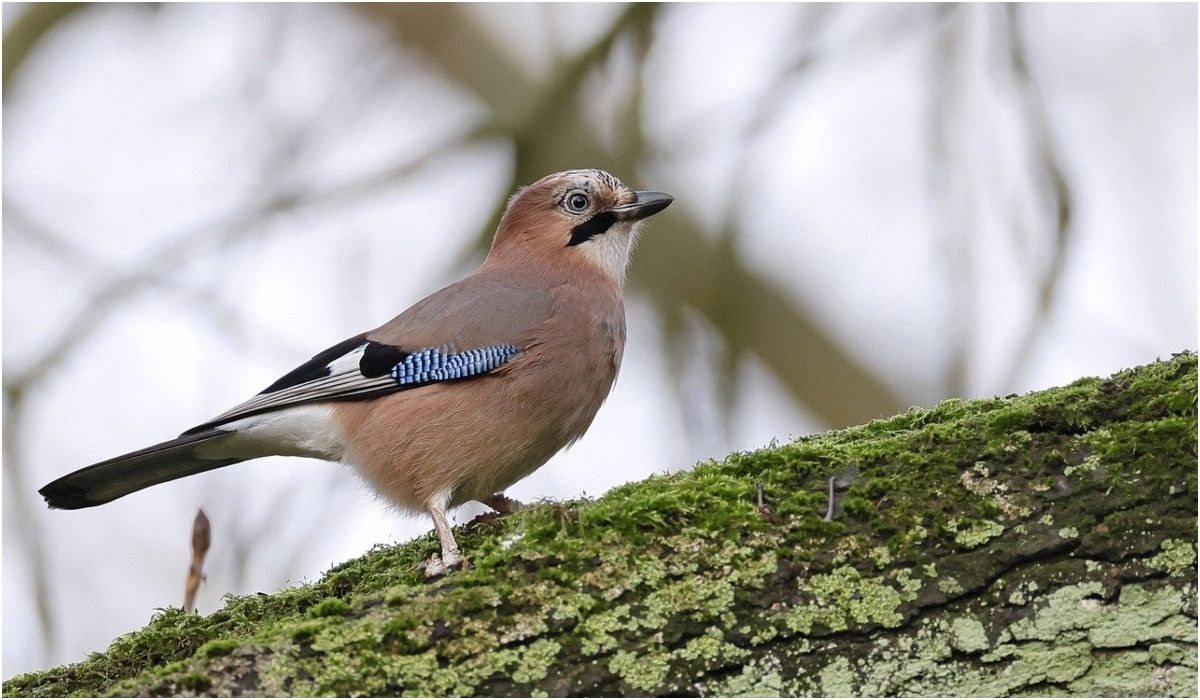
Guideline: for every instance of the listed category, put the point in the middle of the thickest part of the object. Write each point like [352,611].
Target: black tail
[121,476]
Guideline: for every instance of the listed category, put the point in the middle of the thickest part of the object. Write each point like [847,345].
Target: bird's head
[576,217]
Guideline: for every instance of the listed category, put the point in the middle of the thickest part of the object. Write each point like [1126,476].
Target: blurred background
[877,206]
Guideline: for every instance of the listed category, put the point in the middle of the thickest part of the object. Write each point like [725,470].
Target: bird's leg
[502,504]
[451,556]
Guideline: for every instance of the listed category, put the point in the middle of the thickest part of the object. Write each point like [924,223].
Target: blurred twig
[201,540]
[1051,183]
[16,486]
[1051,196]
[949,188]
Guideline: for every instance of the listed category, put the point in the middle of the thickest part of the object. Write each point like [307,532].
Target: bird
[460,396]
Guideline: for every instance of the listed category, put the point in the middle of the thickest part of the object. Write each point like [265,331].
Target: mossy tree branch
[1036,544]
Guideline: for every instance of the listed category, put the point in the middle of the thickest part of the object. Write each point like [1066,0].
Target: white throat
[610,250]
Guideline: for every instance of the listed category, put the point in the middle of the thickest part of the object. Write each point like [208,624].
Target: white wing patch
[344,381]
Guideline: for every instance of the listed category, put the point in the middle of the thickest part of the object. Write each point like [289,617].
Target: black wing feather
[317,367]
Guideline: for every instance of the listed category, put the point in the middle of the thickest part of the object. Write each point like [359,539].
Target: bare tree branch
[948,183]
[1056,198]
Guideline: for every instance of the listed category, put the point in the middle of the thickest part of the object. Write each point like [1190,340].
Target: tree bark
[1041,544]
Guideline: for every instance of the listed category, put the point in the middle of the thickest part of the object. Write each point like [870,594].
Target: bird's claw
[437,566]
[502,504]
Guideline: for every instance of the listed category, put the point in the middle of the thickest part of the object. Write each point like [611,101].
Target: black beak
[646,204]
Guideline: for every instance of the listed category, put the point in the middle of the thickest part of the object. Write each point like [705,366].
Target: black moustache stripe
[598,224]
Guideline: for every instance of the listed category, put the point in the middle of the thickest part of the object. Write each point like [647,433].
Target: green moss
[195,682]
[217,647]
[329,607]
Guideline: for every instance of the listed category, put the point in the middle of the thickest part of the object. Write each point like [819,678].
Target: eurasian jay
[460,396]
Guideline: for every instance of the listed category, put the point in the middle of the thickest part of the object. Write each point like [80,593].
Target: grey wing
[463,331]
[477,311]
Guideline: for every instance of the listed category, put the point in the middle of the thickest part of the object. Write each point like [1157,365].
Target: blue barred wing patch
[433,365]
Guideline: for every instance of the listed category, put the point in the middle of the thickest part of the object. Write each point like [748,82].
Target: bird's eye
[576,202]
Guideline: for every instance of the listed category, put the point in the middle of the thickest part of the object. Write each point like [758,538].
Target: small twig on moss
[763,510]
[832,489]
